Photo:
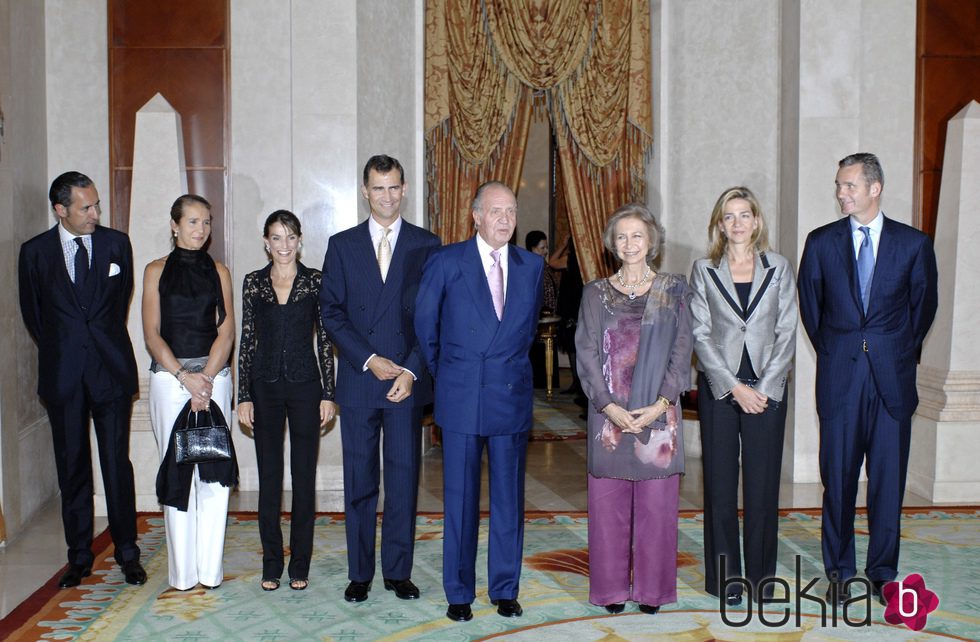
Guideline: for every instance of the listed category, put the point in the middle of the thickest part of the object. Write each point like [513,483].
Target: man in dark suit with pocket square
[76,281]
[868,295]
[371,273]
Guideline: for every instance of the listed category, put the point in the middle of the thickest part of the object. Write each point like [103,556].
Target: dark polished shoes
[733,599]
[357,591]
[459,612]
[837,592]
[73,576]
[615,608]
[878,591]
[649,609]
[133,572]
[508,608]
[404,589]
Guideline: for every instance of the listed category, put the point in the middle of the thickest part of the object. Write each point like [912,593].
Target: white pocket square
[114,269]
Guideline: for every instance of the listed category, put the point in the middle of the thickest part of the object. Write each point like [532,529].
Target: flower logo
[909,602]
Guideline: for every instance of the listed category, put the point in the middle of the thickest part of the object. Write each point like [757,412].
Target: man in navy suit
[370,276]
[868,295]
[476,316]
[76,281]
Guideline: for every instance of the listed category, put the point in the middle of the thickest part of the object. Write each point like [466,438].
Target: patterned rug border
[809,616]
[34,607]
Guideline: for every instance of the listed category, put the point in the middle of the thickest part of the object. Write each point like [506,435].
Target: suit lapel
[845,248]
[476,282]
[761,279]
[886,257]
[365,270]
[62,278]
[100,266]
[721,276]
[515,293]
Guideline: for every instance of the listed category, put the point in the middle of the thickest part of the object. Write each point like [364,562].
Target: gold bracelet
[665,401]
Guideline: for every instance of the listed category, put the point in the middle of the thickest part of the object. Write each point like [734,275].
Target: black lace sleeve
[249,342]
[324,348]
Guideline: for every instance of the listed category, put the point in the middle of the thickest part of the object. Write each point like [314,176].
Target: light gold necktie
[384,254]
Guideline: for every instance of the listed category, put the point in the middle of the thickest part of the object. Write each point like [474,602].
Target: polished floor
[555,481]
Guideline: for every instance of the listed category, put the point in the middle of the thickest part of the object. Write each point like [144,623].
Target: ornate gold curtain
[485,61]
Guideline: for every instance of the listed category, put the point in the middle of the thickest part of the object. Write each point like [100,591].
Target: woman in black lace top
[189,327]
[279,377]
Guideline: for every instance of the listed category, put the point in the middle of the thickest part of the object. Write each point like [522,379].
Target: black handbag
[204,439]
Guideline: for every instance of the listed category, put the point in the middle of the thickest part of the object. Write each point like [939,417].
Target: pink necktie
[496,279]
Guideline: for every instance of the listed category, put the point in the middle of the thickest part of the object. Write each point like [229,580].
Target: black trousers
[73,458]
[273,403]
[725,432]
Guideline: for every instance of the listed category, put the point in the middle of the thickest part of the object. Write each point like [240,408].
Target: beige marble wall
[293,146]
[77,75]
[760,92]
[856,93]
[716,111]
[388,106]
[771,95]
[27,473]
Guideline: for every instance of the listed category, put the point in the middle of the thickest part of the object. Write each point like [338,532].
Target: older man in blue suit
[476,316]
[868,295]
[370,277]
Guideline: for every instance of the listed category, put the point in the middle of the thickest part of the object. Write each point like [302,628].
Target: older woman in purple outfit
[634,347]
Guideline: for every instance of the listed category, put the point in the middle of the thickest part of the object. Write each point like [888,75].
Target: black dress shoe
[508,608]
[840,590]
[615,608]
[134,572]
[649,609]
[357,591]
[878,591]
[733,599]
[459,612]
[73,576]
[404,589]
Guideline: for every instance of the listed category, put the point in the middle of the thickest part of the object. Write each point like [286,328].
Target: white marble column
[159,176]
[848,86]
[946,426]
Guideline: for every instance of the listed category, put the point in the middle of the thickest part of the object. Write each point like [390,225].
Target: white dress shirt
[69,248]
[377,231]
[874,231]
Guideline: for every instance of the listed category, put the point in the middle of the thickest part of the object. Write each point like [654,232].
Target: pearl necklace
[632,286]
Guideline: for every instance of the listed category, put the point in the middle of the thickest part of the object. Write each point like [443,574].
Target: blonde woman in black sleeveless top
[189,327]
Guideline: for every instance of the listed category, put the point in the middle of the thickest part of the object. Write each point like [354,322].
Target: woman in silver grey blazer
[745,316]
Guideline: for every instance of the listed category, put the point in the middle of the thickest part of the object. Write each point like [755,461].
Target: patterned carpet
[940,545]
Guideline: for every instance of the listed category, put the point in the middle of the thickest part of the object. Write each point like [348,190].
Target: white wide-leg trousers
[196,538]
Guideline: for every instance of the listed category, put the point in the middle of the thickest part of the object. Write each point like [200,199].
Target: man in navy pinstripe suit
[868,295]
[371,275]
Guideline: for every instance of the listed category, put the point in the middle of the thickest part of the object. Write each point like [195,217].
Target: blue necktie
[866,266]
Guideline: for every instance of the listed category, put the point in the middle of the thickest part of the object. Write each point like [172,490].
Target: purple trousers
[633,540]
